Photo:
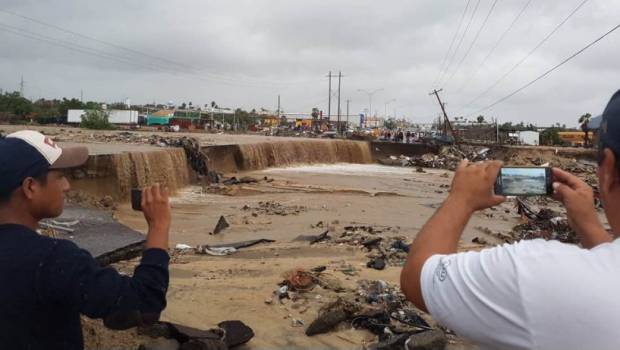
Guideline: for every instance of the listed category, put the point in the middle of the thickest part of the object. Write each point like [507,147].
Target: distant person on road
[46,283]
[532,294]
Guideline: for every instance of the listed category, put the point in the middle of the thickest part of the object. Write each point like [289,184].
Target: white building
[529,137]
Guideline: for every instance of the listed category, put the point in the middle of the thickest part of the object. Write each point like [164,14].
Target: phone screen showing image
[526,181]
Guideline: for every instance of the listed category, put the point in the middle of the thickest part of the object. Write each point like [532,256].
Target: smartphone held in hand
[524,181]
[136,199]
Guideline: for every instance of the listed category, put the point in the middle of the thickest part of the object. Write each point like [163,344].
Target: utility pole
[496,132]
[21,86]
[446,123]
[338,127]
[348,113]
[329,98]
[278,112]
[81,95]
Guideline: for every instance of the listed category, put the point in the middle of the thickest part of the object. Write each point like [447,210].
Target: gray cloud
[245,53]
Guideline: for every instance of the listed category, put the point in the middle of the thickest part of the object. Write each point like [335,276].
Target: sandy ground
[205,138]
[205,290]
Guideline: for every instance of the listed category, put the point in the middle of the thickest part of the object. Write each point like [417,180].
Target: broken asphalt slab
[102,236]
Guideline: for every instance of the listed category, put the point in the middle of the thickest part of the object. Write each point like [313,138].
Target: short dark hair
[41,178]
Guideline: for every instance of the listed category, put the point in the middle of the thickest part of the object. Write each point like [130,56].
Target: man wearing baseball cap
[533,294]
[46,283]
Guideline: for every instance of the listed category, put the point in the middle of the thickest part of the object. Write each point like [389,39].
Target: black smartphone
[524,181]
[136,199]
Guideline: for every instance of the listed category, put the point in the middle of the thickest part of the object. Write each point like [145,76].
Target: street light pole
[386,104]
[370,93]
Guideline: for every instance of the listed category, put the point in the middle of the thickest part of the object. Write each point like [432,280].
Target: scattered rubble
[536,223]
[545,223]
[274,208]
[448,157]
[382,250]
[381,309]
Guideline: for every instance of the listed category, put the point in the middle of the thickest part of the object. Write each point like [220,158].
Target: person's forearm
[592,236]
[442,232]
[157,237]
[440,235]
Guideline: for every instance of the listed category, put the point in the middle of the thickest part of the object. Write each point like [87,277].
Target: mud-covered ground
[282,204]
[309,200]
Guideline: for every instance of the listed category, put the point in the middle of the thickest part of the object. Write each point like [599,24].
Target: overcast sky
[245,53]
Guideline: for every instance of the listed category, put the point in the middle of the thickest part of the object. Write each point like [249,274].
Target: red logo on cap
[49,142]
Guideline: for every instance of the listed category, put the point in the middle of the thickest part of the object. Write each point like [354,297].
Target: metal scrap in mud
[374,305]
[219,249]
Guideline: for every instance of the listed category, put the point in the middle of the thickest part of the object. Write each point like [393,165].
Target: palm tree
[583,121]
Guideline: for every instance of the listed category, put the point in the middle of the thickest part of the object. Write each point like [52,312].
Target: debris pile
[382,250]
[374,305]
[77,135]
[545,223]
[379,308]
[536,223]
[274,208]
[448,157]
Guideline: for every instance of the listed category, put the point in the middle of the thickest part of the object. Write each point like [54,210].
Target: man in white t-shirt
[532,294]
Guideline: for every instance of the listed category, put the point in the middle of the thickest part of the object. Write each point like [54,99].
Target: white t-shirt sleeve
[477,295]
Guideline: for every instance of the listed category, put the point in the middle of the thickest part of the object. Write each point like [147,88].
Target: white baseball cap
[58,158]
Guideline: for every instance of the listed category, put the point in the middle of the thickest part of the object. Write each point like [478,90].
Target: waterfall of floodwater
[285,153]
[137,169]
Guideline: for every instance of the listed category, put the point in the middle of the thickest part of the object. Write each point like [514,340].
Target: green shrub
[97,120]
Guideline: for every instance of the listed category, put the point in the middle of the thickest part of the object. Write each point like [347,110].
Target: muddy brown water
[279,154]
[116,174]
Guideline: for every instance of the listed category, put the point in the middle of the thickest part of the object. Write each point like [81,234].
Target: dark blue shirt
[46,283]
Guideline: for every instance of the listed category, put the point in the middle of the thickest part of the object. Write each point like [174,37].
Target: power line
[518,64]
[501,38]
[471,18]
[89,37]
[121,59]
[548,71]
[484,23]
[445,59]
[189,69]
[67,45]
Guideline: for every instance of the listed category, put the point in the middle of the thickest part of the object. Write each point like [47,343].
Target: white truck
[116,116]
